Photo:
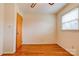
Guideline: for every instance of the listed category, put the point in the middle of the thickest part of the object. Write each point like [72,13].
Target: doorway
[19,31]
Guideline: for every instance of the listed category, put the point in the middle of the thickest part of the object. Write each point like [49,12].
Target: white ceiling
[40,7]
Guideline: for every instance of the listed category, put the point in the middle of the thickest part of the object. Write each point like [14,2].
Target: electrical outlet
[72,47]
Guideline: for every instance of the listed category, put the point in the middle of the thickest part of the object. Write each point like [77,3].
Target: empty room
[39,29]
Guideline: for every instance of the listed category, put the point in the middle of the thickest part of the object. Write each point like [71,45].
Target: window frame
[65,14]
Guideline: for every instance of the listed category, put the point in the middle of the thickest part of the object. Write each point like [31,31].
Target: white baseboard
[67,50]
[39,43]
[9,52]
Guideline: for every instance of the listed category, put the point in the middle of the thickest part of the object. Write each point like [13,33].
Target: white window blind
[70,20]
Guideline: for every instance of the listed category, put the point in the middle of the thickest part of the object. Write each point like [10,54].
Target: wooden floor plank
[40,50]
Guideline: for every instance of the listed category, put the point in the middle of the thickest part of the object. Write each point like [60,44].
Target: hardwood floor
[40,50]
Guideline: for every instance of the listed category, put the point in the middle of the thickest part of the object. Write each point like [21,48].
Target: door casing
[19,31]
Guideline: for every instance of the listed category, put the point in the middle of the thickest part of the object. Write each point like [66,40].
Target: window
[70,20]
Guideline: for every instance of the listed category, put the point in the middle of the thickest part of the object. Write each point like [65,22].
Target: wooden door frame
[16,27]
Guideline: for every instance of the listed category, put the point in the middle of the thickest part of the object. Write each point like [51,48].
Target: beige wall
[69,40]
[1,27]
[39,29]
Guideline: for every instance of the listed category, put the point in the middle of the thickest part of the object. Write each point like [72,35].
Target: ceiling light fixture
[51,3]
[33,4]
